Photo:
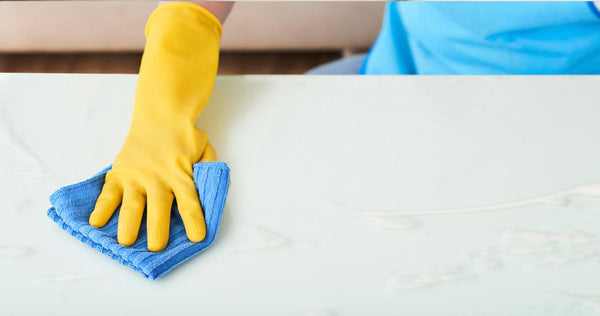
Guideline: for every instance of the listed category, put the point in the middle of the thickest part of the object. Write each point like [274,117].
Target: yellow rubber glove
[154,166]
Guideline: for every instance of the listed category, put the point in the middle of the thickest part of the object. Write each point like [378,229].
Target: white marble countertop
[350,196]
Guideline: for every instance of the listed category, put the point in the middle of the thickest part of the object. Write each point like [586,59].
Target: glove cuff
[183,30]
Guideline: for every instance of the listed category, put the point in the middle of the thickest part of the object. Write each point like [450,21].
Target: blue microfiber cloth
[72,206]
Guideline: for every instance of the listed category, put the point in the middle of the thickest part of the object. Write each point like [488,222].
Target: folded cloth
[72,205]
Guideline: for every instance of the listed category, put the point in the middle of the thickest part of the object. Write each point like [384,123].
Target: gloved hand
[154,166]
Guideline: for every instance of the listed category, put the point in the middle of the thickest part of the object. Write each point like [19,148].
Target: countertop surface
[469,195]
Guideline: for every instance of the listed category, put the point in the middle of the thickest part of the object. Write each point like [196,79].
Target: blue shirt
[487,38]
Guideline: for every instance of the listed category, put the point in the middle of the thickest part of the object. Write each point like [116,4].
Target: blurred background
[108,37]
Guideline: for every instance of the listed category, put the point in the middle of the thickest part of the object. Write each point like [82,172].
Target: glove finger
[106,204]
[210,154]
[130,216]
[158,219]
[190,211]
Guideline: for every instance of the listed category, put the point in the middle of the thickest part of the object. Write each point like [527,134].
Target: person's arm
[220,9]
[155,165]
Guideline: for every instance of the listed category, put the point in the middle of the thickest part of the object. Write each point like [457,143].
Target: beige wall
[118,26]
